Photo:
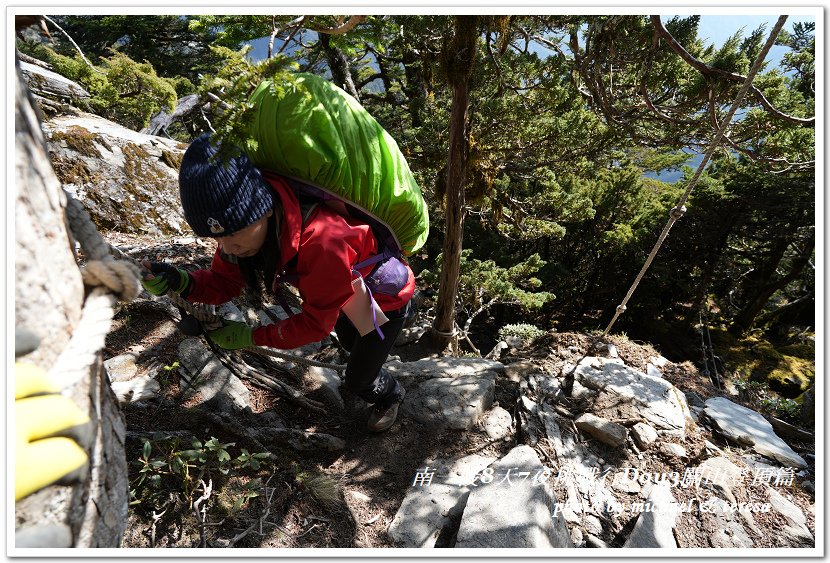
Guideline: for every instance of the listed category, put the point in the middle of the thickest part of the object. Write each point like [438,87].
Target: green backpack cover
[317,133]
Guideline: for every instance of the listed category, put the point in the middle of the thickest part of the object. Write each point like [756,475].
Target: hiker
[265,236]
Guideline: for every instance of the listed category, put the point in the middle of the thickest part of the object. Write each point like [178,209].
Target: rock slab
[215,384]
[748,428]
[603,430]
[654,526]
[521,514]
[655,399]
[431,509]
[447,393]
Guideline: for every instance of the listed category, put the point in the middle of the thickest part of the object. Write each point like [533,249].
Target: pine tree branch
[710,72]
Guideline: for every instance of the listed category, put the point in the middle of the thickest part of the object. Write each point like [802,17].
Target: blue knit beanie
[220,198]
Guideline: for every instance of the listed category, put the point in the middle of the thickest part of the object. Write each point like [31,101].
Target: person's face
[248,241]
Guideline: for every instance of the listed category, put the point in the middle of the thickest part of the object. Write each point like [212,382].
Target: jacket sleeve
[221,283]
[327,252]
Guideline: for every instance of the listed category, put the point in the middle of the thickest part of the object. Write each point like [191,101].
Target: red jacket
[327,247]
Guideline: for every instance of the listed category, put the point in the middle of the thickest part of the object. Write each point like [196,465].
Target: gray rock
[603,430]
[577,537]
[593,541]
[579,391]
[276,311]
[445,402]
[531,424]
[673,450]
[429,511]
[328,382]
[727,531]
[654,528]
[138,389]
[653,371]
[748,428]
[796,521]
[643,435]
[127,178]
[50,84]
[544,384]
[444,367]
[721,474]
[122,367]
[498,423]
[519,515]
[658,361]
[215,384]
[622,482]
[497,350]
[656,400]
[231,312]
[410,335]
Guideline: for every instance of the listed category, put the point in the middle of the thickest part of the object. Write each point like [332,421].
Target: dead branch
[709,72]
[247,372]
[341,27]
[201,512]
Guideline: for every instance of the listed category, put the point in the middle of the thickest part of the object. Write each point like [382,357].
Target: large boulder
[634,394]
[128,181]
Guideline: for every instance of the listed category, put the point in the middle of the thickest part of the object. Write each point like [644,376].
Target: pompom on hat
[220,198]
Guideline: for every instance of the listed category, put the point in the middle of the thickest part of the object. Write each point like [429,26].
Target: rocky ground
[597,429]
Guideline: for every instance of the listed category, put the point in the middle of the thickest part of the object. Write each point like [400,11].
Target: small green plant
[520,330]
[780,406]
[175,470]
[759,395]
[254,461]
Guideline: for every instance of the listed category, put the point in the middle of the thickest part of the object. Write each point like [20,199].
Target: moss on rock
[787,370]
[172,159]
[79,139]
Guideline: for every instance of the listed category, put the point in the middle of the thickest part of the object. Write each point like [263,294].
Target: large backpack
[318,134]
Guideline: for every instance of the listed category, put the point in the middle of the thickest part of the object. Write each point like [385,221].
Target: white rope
[107,277]
[87,340]
[680,208]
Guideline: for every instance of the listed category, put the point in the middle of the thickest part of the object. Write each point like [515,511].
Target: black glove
[166,277]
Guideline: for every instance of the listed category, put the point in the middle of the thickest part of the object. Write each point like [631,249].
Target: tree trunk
[341,73]
[460,59]
[49,297]
[758,299]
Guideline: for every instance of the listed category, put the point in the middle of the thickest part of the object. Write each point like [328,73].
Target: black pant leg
[364,374]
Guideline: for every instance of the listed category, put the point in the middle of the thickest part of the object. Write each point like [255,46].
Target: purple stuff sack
[389,278]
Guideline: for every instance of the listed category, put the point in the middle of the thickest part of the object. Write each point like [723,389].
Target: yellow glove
[43,418]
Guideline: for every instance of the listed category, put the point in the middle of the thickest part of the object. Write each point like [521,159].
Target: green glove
[165,277]
[48,429]
[233,336]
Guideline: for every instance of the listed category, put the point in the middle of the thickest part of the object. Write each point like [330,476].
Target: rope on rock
[680,208]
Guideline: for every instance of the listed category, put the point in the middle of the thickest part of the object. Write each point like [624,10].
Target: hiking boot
[382,419]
